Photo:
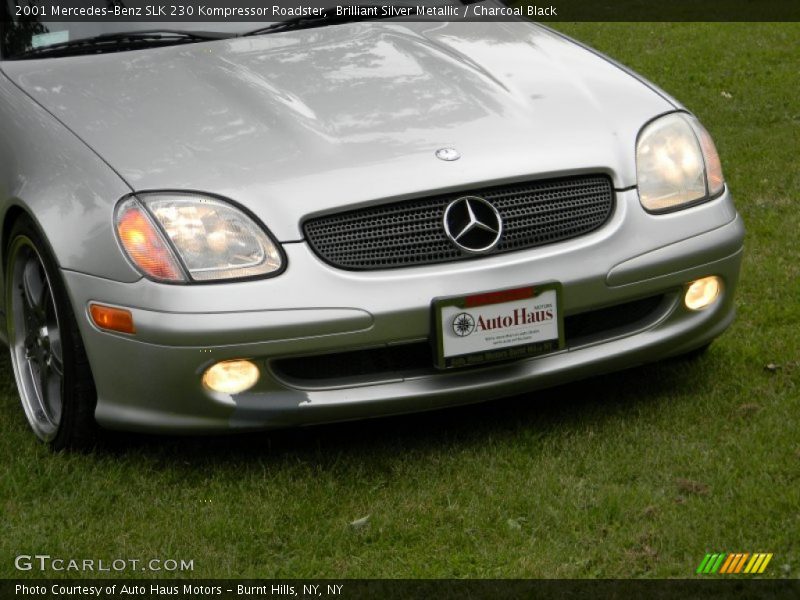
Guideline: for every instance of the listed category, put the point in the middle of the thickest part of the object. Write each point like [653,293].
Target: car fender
[66,188]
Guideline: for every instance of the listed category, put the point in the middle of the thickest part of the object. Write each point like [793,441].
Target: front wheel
[47,355]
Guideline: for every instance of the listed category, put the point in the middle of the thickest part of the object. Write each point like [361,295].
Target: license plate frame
[522,331]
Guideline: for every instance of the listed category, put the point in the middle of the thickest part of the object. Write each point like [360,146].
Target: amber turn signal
[144,244]
[112,319]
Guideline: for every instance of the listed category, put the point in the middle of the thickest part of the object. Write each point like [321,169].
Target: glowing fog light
[702,293]
[231,376]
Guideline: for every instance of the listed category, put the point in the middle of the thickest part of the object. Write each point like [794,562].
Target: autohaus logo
[465,324]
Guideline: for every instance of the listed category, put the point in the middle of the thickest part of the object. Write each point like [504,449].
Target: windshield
[23,28]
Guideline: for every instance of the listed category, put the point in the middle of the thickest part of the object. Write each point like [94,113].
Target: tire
[48,358]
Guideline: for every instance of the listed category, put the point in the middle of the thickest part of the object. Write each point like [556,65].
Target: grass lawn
[628,475]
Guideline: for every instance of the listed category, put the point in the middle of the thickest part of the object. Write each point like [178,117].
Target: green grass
[633,474]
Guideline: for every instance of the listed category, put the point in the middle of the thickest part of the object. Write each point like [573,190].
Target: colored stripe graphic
[760,559]
[716,563]
[726,567]
[740,564]
[767,558]
[703,564]
[752,563]
[734,563]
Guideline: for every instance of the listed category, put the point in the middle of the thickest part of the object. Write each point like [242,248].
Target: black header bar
[401,589]
[177,11]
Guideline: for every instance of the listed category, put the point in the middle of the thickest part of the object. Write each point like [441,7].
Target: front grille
[418,356]
[404,234]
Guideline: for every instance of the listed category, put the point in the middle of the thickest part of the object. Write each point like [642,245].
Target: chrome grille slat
[404,234]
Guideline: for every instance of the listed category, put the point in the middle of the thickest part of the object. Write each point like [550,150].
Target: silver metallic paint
[66,188]
[296,124]
[399,305]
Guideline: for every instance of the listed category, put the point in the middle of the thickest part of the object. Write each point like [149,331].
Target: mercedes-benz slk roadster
[209,228]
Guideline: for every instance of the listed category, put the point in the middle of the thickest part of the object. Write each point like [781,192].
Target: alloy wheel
[35,339]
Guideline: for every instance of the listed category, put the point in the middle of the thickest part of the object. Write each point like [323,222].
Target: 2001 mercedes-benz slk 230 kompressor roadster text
[232,229]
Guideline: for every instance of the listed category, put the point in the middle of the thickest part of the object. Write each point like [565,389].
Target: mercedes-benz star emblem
[448,154]
[473,224]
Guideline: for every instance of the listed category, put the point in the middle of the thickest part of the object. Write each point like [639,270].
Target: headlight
[677,164]
[182,236]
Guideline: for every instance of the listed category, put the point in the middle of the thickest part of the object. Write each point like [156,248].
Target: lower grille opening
[402,359]
[357,363]
[612,320]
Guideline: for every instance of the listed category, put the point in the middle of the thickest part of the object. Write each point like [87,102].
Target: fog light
[702,293]
[231,376]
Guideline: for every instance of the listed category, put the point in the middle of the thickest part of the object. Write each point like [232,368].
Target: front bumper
[152,381]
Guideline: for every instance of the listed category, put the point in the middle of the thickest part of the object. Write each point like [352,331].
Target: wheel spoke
[44,391]
[56,364]
[41,409]
[51,386]
[34,287]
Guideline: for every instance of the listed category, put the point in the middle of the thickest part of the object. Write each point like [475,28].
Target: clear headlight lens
[213,239]
[676,163]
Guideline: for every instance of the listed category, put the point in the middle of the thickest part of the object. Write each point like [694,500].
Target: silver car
[241,228]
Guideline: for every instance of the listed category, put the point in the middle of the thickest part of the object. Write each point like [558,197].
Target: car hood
[299,123]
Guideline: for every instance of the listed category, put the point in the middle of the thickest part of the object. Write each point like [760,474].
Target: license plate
[500,325]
